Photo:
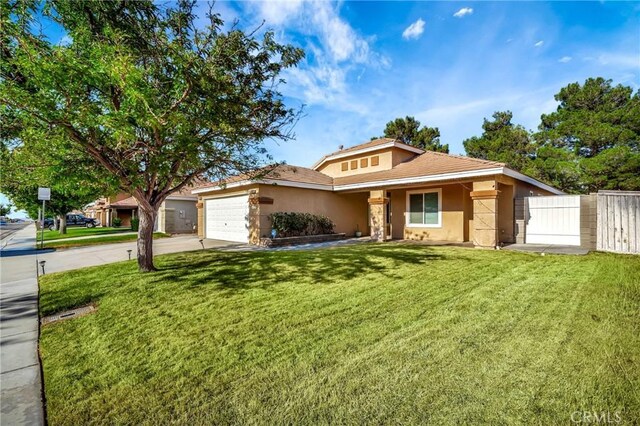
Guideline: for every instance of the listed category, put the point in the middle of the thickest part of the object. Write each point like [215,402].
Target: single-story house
[177,215]
[383,188]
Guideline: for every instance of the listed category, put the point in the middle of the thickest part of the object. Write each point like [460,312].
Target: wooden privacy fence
[618,221]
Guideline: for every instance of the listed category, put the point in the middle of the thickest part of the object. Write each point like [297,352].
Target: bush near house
[135,224]
[116,222]
[294,224]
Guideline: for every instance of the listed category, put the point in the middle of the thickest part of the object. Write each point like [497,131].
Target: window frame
[354,164]
[375,159]
[364,162]
[344,166]
[407,214]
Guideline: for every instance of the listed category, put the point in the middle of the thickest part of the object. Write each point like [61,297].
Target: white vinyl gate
[553,220]
[619,221]
[227,218]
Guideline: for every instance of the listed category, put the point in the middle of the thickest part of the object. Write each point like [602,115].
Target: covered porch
[478,212]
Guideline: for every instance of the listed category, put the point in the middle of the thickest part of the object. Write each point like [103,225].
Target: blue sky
[449,64]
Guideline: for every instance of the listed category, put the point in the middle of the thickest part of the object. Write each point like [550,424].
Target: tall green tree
[591,142]
[598,124]
[73,177]
[408,130]
[150,96]
[502,141]
[5,209]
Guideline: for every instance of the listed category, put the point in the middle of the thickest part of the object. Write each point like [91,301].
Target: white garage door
[553,220]
[227,218]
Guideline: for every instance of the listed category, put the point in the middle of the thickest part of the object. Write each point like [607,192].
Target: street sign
[44,194]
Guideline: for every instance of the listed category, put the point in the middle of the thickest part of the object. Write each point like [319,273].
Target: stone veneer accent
[485,217]
[304,239]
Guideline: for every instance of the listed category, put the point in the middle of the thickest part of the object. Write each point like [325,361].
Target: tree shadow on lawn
[249,270]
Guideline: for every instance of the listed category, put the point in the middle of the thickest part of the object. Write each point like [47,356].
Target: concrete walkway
[82,257]
[546,248]
[20,380]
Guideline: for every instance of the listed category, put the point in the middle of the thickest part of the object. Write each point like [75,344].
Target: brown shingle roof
[130,202]
[428,164]
[280,173]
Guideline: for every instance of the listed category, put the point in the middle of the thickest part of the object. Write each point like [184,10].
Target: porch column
[378,212]
[200,225]
[485,214]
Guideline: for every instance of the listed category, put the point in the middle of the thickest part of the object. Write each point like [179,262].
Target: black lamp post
[42,262]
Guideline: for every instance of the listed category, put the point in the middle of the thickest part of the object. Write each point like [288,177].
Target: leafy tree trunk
[145,238]
[62,224]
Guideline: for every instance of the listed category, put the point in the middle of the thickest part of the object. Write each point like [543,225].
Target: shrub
[135,223]
[293,224]
[116,222]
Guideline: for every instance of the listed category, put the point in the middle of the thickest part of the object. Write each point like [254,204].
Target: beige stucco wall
[349,210]
[506,213]
[453,215]
[333,168]
[345,210]
[388,157]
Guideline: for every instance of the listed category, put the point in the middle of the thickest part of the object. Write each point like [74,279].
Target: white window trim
[408,210]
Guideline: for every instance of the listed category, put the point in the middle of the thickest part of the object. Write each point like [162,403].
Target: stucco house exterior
[177,214]
[384,188]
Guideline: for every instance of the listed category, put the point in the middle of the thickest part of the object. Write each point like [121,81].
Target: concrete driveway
[82,257]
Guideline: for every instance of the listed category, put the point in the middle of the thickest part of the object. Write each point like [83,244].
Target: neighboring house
[177,214]
[384,188]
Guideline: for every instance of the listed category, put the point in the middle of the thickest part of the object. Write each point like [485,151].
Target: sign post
[44,194]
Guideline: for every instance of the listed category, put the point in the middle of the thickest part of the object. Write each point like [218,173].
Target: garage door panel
[227,218]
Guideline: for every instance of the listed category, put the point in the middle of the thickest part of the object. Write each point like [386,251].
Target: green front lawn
[77,231]
[364,334]
[107,239]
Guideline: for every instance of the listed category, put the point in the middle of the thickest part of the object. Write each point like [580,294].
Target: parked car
[73,220]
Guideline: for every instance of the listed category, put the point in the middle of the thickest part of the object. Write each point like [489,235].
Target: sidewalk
[20,381]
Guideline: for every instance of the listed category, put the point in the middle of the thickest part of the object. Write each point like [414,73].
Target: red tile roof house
[384,188]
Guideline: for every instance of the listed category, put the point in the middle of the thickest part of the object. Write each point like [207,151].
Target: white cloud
[334,49]
[565,59]
[619,59]
[414,30]
[337,34]
[539,44]
[462,12]
[279,12]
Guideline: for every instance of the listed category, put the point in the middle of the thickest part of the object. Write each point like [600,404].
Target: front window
[424,208]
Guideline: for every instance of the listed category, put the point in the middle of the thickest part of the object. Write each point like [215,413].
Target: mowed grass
[77,231]
[107,239]
[363,334]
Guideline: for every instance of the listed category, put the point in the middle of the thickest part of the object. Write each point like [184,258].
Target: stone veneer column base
[485,218]
[378,210]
